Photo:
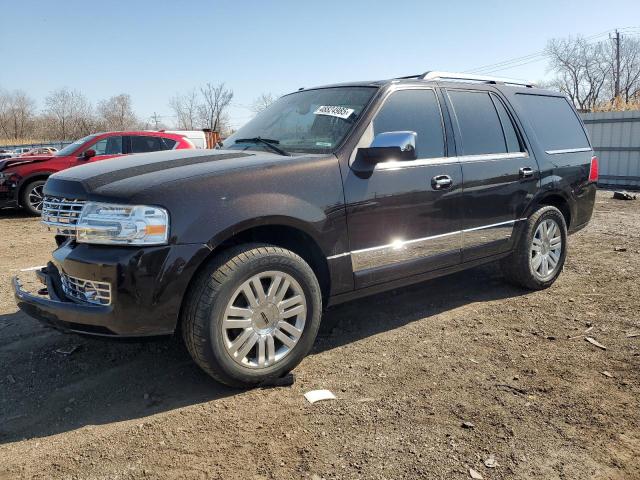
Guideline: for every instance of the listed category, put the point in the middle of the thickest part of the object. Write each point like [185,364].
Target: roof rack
[465,77]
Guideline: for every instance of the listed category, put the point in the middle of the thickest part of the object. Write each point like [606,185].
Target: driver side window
[108,146]
[417,111]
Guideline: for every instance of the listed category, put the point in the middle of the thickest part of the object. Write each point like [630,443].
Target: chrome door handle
[526,172]
[441,182]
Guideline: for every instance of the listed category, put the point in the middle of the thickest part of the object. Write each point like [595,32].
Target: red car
[22,178]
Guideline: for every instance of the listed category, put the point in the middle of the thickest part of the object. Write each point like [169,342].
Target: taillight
[593,171]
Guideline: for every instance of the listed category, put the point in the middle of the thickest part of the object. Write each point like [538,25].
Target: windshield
[310,121]
[69,149]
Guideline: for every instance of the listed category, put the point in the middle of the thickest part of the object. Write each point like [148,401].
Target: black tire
[517,267]
[27,199]
[212,290]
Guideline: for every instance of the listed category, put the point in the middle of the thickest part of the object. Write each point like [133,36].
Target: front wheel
[538,257]
[32,197]
[252,314]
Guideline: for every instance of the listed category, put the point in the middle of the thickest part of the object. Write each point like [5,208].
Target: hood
[13,161]
[124,177]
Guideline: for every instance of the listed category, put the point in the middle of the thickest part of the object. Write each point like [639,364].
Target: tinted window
[554,121]
[508,128]
[417,111]
[142,144]
[108,146]
[478,121]
[168,143]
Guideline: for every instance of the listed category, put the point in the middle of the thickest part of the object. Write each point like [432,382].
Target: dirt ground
[408,368]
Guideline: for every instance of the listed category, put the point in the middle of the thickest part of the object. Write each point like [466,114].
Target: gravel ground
[408,368]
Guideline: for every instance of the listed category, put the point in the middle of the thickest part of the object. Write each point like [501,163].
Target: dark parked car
[330,194]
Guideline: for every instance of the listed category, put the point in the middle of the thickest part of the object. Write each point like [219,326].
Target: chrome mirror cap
[390,146]
[404,140]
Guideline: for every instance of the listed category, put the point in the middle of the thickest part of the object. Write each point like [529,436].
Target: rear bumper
[147,287]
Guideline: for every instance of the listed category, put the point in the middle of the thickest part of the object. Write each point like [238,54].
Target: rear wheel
[539,255]
[32,197]
[252,314]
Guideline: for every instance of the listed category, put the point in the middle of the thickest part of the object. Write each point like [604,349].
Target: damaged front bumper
[112,291]
[51,306]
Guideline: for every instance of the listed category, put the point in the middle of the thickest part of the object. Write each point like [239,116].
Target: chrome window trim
[568,150]
[492,156]
[421,162]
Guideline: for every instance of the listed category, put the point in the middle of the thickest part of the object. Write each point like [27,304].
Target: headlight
[109,224]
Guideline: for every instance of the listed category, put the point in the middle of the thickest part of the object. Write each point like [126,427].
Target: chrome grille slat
[91,291]
[62,214]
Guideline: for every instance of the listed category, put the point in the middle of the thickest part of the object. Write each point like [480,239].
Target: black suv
[331,193]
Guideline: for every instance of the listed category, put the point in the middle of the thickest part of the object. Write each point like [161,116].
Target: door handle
[526,172]
[441,182]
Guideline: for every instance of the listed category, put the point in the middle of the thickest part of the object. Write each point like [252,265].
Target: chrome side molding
[402,250]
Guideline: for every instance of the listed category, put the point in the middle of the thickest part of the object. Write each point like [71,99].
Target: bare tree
[629,68]
[17,114]
[263,101]
[581,69]
[70,114]
[185,108]
[216,100]
[116,113]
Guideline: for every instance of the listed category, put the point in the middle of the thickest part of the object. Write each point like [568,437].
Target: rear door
[400,221]
[500,175]
[150,143]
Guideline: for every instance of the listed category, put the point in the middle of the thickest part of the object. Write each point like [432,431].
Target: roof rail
[435,75]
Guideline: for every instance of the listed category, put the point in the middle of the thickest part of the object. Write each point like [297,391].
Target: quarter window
[168,143]
[479,123]
[554,121]
[417,111]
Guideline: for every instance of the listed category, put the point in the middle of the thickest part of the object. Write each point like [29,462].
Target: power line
[527,59]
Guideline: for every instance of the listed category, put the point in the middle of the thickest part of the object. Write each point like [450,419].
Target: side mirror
[391,146]
[88,154]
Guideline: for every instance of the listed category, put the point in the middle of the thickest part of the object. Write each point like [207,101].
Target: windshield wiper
[265,141]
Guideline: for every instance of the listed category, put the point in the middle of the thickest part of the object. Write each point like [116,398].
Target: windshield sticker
[334,111]
[323,144]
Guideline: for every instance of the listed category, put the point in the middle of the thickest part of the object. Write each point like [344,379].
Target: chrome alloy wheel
[36,197]
[264,319]
[546,249]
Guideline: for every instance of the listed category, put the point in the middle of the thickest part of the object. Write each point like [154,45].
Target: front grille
[98,293]
[62,214]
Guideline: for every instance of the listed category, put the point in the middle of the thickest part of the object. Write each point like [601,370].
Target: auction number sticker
[334,111]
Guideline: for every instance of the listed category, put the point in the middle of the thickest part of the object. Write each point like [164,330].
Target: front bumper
[147,284]
[8,196]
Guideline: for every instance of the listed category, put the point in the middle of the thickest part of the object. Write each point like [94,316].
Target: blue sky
[155,49]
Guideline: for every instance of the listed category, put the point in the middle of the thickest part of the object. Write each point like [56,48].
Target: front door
[105,148]
[404,216]
[500,177]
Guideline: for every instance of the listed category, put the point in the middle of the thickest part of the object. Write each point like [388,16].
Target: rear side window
[554,121]
[142,144]
[417,111]
[479,123]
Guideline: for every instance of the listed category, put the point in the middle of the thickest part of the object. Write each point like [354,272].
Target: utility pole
[617,66]
[155,118]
